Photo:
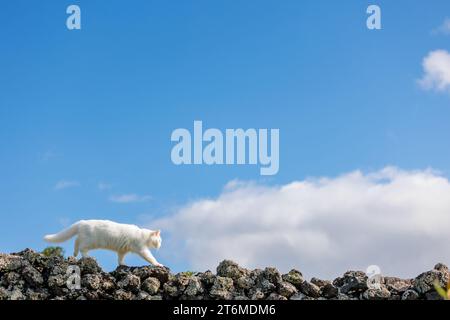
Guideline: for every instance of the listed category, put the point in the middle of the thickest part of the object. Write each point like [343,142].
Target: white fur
[104,234]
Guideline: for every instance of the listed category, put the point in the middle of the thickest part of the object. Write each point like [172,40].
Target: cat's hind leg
[76,250]
[84,252]
[120,258]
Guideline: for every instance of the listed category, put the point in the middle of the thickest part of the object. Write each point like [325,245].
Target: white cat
[104,234]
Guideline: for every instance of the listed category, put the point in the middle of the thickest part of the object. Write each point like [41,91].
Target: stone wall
[31,275]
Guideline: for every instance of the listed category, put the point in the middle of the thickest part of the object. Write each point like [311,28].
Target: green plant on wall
[443,292]
[53,251]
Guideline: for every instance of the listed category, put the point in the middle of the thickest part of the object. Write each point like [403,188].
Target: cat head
[155,239]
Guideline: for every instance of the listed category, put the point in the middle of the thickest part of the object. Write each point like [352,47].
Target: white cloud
[102,186]
[65,184]
[444,28]
[399,220]
[130,198]
[436,66]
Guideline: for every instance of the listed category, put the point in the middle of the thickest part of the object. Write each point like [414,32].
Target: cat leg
[84,252]
[121,256]
[77,247]
[147,256]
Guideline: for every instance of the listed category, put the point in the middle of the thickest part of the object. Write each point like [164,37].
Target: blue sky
[98,105]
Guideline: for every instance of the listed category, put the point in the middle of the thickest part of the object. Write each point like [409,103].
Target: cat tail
[63,235]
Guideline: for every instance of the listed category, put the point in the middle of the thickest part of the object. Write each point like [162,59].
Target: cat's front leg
[120,258]
[147,256]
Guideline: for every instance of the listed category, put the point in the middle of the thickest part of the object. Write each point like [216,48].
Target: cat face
[155,239]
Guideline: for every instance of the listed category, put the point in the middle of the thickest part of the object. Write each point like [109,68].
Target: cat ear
[157,233]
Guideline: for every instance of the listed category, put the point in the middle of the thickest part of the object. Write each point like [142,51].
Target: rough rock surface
[33,276]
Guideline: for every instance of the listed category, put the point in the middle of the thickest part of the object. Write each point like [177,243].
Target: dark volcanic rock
[329,291]
[222,288]
[377,294]
[319,282]
[130,282]
[160,273]
[396,285]
[310,289]
[352,283]
[230,269]
[89,265]
[410,294]
[424,283]
[151,285]
[287,289]
[294,277]
[28,275]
